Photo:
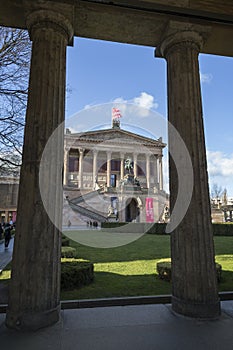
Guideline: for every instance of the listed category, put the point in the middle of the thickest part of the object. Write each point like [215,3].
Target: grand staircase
[90,206]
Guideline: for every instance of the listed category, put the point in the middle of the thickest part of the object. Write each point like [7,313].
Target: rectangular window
[113,180]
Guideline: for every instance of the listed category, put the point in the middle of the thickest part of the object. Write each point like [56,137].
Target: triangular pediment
[117,136]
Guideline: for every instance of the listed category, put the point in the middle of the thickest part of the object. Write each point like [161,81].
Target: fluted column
[34,297]
[148,170]
[156,170]
[135,164]
[109,154]
[66,167]
[94,175]
[122,170]
[161,173]
[194,284]
[81,153]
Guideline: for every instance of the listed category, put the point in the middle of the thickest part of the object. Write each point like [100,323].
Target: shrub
[68,252]
[75,274]
[65,242]
[163,268]
[218,271]
[225,229]
[112,224]
[157,228]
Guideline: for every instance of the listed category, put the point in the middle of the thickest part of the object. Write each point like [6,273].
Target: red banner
[14,216]
[149,210]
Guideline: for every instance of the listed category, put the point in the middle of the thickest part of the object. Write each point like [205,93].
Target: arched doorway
[132,210]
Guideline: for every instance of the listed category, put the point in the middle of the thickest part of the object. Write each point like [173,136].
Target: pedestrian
[7,235]
[1,231]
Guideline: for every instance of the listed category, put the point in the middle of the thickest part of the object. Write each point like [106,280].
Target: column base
[32,321]
[196,310]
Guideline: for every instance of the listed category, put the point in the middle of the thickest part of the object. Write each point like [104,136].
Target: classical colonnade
[155,159]
[34,296]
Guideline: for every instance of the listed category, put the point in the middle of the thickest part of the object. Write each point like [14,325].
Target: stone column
[109,154]
[122,166]
[148,170]
[156,170]
[81,153]
[161,173]
[94,174]
[66,167]
[34,296]
[194,284]
[135,164]
[6,216]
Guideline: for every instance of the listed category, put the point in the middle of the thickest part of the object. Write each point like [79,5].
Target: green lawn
[130,270]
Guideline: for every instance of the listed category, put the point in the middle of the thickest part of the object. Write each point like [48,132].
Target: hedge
[163,268]
[224,229]
[157,228]
[68,252]
[112,224]
[65,242]
[75,274]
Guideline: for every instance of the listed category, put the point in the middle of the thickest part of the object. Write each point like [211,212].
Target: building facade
[117,173]
[8,198]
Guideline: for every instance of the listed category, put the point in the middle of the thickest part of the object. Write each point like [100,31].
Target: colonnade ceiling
[134,22]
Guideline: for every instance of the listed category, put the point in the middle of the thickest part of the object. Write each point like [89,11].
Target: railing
[88,195]
[87,212]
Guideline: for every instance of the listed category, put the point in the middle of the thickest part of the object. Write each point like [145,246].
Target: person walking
[1,231]
[7,235]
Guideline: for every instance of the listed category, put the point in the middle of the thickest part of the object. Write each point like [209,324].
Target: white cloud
[220,164]
[220,170]
[145,100]
[144,103]
[120,100]
[206,78]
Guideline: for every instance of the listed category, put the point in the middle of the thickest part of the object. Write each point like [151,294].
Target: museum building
[114,173]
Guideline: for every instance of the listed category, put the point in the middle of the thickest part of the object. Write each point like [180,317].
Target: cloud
[144,103]
[220,170]
[220,164]
[206,78]
[120,100]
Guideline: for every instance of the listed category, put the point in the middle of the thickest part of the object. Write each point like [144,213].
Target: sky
[103,74]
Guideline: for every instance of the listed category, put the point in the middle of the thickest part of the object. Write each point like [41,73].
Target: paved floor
[143,327]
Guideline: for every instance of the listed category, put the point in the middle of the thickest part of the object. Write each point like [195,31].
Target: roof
[114,135]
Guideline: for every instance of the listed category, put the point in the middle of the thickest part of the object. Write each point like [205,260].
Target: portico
[91,159]
[180,30]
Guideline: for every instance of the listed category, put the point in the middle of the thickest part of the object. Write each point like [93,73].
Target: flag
[116,113]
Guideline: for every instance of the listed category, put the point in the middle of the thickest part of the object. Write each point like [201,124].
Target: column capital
[44,19]
[178,35]
[95,152]
[81,150]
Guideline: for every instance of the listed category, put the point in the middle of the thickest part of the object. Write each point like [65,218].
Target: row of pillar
[34,302]
[158,172]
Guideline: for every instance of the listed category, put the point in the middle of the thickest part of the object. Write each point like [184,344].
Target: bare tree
[216,191]
[224,197]
[15,51]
